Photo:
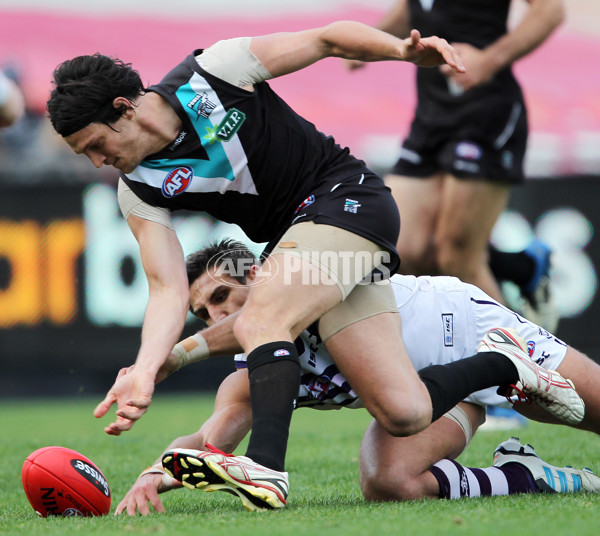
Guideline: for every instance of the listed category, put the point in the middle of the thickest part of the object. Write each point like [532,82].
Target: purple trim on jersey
[496,304]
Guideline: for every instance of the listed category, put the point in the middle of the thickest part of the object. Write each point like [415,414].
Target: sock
[449,384]
[456,481]
[516,267]
[274,383]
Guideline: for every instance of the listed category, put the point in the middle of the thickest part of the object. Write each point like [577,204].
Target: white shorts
[444,320]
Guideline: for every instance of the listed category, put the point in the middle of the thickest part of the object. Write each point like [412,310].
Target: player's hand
[132,392]
[144,491]
[431,51]
[479,68]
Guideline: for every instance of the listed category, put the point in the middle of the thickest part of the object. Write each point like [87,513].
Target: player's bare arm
[163,262]
[283,53]
[538,23]
[226,427]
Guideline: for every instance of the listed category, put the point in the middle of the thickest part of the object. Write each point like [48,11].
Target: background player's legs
[447,224]
[419,202]
[468,213]
[398,468]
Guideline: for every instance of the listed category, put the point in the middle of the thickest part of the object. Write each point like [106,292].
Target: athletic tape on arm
[190,350]
[168,482]
[129,203]
[231,60]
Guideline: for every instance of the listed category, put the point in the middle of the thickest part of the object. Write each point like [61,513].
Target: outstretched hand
[132,392]
[431,51]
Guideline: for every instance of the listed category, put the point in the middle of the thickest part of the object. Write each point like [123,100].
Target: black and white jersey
[476,22]
[244,157]
[443,320]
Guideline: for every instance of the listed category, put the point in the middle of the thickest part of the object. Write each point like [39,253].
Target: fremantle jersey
[476,22]
[243,157]
[443,320]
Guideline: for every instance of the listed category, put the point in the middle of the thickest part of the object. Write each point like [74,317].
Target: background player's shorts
[486,141]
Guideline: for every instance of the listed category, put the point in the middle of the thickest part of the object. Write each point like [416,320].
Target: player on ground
[392,468]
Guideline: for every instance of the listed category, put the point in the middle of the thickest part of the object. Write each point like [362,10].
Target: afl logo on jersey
[177,181]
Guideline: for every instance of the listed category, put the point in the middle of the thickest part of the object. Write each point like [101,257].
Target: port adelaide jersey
[243,157]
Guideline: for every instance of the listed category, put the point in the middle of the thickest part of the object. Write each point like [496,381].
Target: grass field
[322,460]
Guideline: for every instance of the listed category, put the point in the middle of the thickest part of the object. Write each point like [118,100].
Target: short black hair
[85,88]
[216,254]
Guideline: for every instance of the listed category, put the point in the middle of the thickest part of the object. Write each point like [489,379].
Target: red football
[60,481]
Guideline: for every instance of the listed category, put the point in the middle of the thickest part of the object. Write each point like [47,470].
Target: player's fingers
[121,506]
[110,431]
[415,37]
[141,505]
[142,402]
[452,58]
[122,425]
[157,504]
[103,407]
[129,413]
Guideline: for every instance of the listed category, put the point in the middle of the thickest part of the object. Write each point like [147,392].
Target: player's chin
[125,167]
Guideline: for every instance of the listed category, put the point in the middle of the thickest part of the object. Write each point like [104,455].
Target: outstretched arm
[162,259]
[541,19]
[284,53]
[227,426]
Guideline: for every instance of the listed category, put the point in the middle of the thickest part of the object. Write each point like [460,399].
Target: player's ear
[252,272]
[124,105]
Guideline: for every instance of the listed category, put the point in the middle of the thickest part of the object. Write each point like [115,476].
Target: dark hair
[225,251]
[85,88]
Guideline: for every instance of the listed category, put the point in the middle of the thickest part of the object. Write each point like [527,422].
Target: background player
[466,146]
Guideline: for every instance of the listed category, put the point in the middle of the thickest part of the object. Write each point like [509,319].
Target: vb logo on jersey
[177,181]
[227,128]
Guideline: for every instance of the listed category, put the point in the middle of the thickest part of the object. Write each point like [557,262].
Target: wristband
[153,469]
[190,350]
[167,482]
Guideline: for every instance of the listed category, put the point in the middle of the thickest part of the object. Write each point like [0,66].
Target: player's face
[120,148]
[214,297]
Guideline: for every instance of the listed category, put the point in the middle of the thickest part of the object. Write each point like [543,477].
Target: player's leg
[418,201]
[399,468]
[468,212]
[370,354]
[305,276]
[364,338]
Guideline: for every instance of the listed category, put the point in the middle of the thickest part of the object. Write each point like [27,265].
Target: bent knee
[379,487]
[404,421]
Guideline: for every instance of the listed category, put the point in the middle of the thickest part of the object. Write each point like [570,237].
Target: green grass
[323,463]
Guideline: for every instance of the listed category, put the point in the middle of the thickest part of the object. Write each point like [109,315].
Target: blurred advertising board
[73,292]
